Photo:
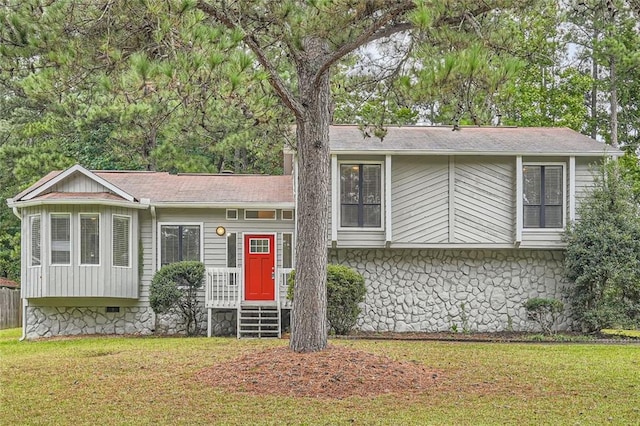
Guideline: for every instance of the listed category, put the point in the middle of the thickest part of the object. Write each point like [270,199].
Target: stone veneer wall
[47,321]
[440,290]
[223,323]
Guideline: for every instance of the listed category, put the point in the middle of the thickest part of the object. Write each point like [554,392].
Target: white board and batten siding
[78,182]
[74,279]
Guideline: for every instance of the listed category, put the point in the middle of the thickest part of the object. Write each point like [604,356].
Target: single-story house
[451,230]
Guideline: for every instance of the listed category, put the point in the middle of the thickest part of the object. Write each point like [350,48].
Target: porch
[225,290]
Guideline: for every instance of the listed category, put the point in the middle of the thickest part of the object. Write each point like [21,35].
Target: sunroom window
[121,241]
[360,195]
[179,242]
[60,239]
[89,239]
[543,197]
[34,227]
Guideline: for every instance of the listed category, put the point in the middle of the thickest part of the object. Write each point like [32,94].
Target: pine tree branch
[376,31]
[278,84]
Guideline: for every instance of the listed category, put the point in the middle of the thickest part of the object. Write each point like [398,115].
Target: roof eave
[225,204]
[478,153]
[77,201]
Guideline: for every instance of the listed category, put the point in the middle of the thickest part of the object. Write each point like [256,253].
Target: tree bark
[309,319]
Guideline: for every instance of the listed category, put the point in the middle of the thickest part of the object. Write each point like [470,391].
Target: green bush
[175,288]
[603,255]
[544,312]
[345,290]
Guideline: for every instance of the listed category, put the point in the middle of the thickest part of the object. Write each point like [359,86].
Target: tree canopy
[206,85]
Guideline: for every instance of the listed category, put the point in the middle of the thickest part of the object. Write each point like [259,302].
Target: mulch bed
[337,372]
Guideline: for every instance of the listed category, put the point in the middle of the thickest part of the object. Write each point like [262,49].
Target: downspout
[25,303]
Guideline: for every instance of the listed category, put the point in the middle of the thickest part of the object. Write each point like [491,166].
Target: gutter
[25,303]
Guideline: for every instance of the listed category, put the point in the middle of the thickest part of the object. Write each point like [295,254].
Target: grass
[108,380]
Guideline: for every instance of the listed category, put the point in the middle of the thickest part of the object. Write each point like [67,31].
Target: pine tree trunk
[309,315]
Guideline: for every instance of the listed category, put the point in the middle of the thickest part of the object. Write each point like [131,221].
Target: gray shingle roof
[469,140]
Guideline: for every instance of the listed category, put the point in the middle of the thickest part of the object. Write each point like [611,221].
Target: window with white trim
[232,250]
[287,250]
[178,243]
[60,239]
[361,195]
[260,214]
[287,214]
[121,241]
[232,214]
[543,196]
[89,239]
[259,245]
[35,229]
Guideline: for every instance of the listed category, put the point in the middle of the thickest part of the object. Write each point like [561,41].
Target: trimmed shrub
[174,288]
[544,312]
[345,290]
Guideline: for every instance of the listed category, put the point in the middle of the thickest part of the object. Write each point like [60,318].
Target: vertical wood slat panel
[10,308]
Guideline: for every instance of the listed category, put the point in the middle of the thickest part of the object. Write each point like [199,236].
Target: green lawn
[150,381]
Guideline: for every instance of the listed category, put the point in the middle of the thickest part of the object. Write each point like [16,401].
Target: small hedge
[345,290]
[175,287]
[544,312]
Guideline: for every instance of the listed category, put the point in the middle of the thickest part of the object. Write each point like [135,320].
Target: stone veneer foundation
[47,321]
[463,290]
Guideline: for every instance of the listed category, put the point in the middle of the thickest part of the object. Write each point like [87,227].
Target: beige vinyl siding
[484,200]
[585,169]
[215,247]
[78,183]
[361,239]
[420,199]
[75,280]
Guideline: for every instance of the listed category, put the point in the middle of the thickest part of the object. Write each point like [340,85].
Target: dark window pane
[349,215]
[190,243]
[553,216]
[170,243]
[231,250]
[89,239]
[287,250]
[531,216]
[371,216]
[349,184]
[371,184]
[60,239]
[553,185]
[121,241]
[532,184]
[35,240]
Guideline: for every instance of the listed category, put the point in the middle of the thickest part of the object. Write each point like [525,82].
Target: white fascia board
[224,205]
[478,153]
[71,170]
[88,201]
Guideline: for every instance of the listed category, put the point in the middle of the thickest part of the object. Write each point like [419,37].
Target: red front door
[259,267]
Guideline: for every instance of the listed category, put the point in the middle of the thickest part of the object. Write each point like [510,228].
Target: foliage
[345,290]
[175,287]
[544,312]
[603,254]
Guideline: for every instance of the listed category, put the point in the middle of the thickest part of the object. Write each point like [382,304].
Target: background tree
[603,254]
